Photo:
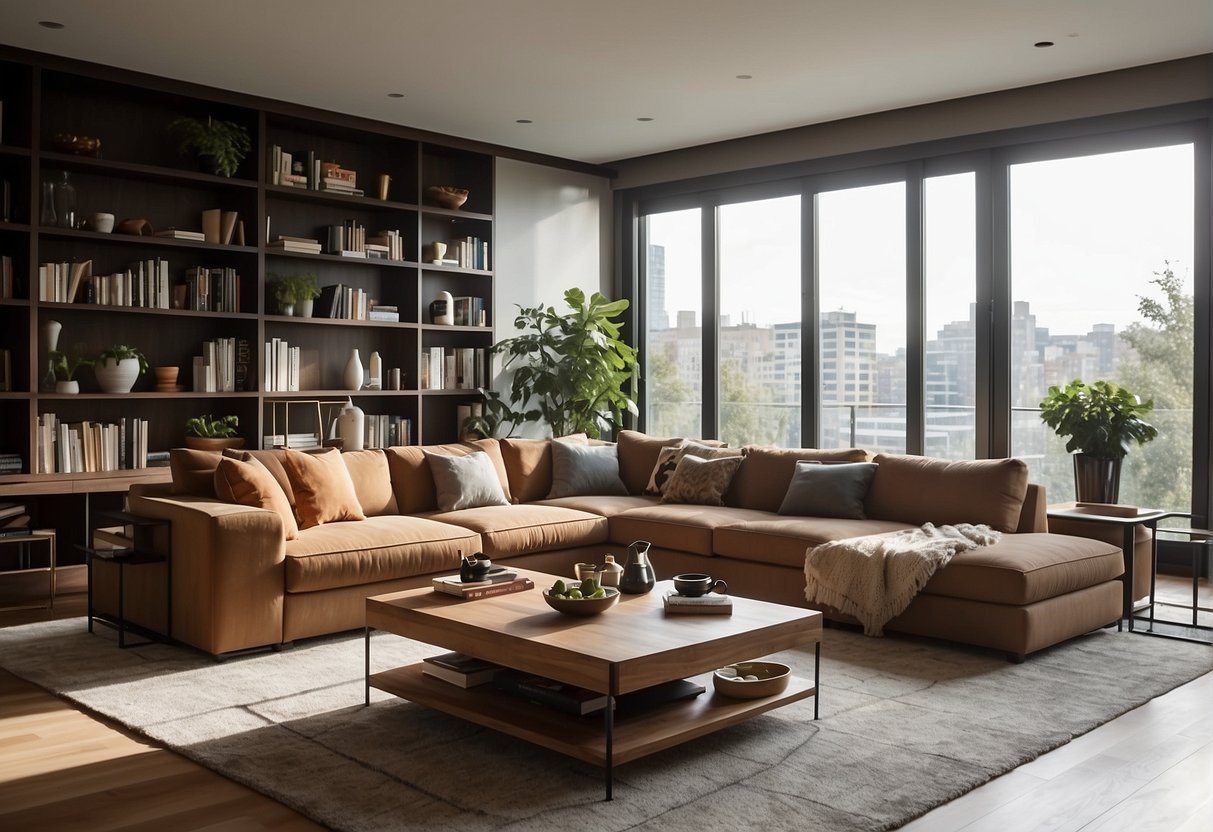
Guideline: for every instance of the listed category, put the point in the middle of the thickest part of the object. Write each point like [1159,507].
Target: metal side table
[139,551]
[1201,542]
[46,536]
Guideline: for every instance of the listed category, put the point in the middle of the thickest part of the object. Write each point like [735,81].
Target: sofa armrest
[1032,516]
[228,569]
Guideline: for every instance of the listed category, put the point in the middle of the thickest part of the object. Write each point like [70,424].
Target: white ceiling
[584,71]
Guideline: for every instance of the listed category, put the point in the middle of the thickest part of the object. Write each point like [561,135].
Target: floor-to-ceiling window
[759,337]
[1101,287]
[672,354]
[861,280]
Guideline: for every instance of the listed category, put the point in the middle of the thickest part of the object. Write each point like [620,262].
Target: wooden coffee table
[631,646]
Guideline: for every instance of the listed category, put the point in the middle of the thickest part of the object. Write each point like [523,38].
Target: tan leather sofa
[239,584]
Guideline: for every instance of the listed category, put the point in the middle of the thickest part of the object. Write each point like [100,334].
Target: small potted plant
[209,433]
[296,293]
[219,146]
[118,368]
[64,368]
[1102,420]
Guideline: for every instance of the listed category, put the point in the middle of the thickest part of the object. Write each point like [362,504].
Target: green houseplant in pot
[118,368]
[211,433]
[1101,421]
[295,293]
[64,367]
[570,369]
[218,146]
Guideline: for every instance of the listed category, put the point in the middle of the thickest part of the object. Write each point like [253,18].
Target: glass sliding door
[950,325]
[672,353]
[861,277]
[1101,288]
[758,247]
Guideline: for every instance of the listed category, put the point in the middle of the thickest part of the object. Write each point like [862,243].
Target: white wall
[552,232]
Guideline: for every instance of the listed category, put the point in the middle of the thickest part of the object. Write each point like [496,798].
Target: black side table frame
[141,552]
[1194,536]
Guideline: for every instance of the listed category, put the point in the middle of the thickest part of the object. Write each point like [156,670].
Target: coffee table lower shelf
[636,735]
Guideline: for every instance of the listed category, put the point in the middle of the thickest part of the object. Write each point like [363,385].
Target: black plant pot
[208,164]
[1096,479]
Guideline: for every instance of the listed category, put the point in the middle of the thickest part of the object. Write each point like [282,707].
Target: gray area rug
[906,725]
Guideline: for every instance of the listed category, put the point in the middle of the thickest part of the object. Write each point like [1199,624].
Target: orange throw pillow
[251,484]
[324,491]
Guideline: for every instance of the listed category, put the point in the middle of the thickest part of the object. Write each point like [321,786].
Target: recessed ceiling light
[644,118]
[395,95]
[50,24]
[744,77]
[1043,44]
[523,121]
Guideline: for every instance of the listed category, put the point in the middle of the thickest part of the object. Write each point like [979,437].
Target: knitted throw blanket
[874,578]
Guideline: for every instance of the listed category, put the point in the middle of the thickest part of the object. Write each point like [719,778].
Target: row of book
[454,368]
[467,253]
[351,303]
[380,430]
[224,366]
[470,311]
[7,284]
[208,290]
[144,284]
[281,366]
[14,519]
[302,169]
[10,463]
[79,447]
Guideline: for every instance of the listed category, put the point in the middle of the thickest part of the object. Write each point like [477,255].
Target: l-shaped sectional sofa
[239,583]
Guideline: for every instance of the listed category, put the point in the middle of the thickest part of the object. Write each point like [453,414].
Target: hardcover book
[459,669]
[710,604]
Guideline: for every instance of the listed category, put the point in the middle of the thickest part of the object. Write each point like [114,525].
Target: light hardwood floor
[1150,770]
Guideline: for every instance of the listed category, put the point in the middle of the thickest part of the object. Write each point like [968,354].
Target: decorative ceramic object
[137,227]
[582,606]
[611,572]
[303,308]
[350,425]
[166,378]
[437,252]
[65,201]
[752,680]
[101,222]
[442,310]
[117,376]
[214,443]
[352,377]
[50,343]
[637,577]
[72,386]
[447,196]
[79,145]
[374,379]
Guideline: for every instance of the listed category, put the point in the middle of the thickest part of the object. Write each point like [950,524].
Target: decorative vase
[117,376]
[350,426]
[303,309]
[442,310]
[352,376]
[1096,479]
[47,217]
[287,309]
[72,387]
[65,202]
[637,577]
[611,572]
[214,443]
[50,343]
[374,379]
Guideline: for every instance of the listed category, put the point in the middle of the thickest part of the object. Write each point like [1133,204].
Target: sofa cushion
[601,505]
[579,470]
[818,490]
[372,481]
[701,481]
[638,456]
[250,484]
[1024,568]
[762,481]
[668,458]
[919,489]
[272,460]
[376,549]
[193,471]
[764,537]
[412,481]
[324,492]
[524,529]
[683,528]
[528,465]
[467,481]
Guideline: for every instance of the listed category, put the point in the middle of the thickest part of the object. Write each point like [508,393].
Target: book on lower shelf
[508,582]
[710,604]
[461,670]
[568,698]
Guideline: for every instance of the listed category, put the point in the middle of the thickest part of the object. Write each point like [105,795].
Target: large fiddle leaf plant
[570,370]
[1101,419]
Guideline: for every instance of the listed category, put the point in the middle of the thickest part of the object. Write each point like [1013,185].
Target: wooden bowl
[80,145]
[773,679]
[582,606]
[447,196]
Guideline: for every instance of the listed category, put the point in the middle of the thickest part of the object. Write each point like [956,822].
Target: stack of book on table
[710,604]
[499,583]
[582,701]
[458,669]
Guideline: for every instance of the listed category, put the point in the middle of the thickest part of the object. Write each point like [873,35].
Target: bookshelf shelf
[337,258]
[68,161]
[94,308]
[367,202]
[144,240]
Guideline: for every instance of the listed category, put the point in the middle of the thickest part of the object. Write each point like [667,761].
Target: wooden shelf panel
[144,310]
[150,394]
[636,735]
[289,319]
[68,161]
[433,210]
[128,239]
[337,258]
[339,199]
[14,150]
[340,394]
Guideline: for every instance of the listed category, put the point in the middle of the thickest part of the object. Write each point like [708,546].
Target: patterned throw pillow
[701,482]
[668,458]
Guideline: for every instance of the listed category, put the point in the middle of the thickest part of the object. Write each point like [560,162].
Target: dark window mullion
[709,263]
[915,312]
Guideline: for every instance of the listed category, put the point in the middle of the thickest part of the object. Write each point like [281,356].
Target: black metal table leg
[816,679]
[366,674]
[609,720]
[1129,546]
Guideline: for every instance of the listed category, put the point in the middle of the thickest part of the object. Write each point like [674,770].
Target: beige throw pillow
[324,492]
[466,481]
[701,482]
[249,483]
[667,461]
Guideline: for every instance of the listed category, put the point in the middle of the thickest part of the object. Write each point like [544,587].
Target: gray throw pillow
[465,481]
[818,490]
[579,470]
